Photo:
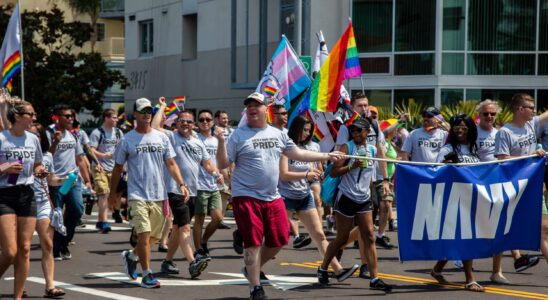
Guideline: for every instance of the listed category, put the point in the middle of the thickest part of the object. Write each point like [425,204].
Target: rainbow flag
[10,52]
[179,100]
[317,135]
[342,63]
[270,91]
[128,123]
[171,110]
[352,118]
[269,114]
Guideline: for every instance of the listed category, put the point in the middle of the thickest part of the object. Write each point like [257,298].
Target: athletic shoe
[238,242]
[168,267]
[458,264]
[130,265]
[384,242]
[378,284]
[223,225]
[525,262]
[257,293]
[302,240]
[197,267]
[162,249]
[200,254]
[99,225]
[117,217]
[57,257]
[106,228]
[65,253]
[323,276]
[262,276]
[149,282]
[364,272]
[392,225]
[204,247]
[346,272]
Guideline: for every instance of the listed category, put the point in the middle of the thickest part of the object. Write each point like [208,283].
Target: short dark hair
[277,107]
[59,108]
[519,100]
[108,112]
[219,113]
[357,95]
[205,111]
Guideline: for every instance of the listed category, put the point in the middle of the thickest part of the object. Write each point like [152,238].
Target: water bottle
[216,175]
[362,152]
[67,185]
[12,178]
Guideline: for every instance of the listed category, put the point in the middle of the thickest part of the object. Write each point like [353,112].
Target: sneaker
[197,267]
[168,267]
[57,257]
[65,253]
[99,226]
[378,284]
[200,254]
[238,242]
[323,276]
[262,276]
[130,265]
[392,225]
[330,223]
[106,228]
[384,242]
[364,272]
[346,272]
[257,293]
[223,225]
[204,247]
[458,264]
[117,217]
[302,240]
[149,282]
[162,249]
[525,262]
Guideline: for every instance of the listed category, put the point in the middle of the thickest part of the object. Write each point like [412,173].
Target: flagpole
[363,89]
[21,53]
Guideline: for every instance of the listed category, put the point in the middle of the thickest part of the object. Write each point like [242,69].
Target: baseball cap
[373,109]
[141,103]
[255,96]
[431,111]
[360,123]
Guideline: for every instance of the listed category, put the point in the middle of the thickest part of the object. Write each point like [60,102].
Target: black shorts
[182,212]
[349,208]
[18,200]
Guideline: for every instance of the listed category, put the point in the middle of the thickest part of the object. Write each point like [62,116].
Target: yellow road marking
[403,278]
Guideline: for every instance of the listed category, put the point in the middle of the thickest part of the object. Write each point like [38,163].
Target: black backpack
[104,134]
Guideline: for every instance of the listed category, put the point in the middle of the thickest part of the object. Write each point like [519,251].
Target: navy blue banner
[465,212]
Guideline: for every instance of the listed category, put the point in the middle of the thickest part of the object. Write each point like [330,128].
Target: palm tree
[92,8]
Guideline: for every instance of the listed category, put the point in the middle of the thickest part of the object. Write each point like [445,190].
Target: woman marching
[295,180]
[460,148]
[20,161]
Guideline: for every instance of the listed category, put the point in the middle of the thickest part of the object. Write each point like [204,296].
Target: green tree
[53,72]
[92,8]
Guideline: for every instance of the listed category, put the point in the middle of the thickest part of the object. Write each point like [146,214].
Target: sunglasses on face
[31,114]
[147,110]
[68,116]
[205,120]
[486,114]
[183,121]
[529,107]
[283,113]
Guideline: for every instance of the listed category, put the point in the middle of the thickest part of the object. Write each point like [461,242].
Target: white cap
[142,103]
[255,96]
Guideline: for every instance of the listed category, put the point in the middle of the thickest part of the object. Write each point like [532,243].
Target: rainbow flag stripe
[128,123]
[270,91]
[11,68]
[171,110]
[354,117]
[342,63]
[317,135]
[269,114]
[180,99]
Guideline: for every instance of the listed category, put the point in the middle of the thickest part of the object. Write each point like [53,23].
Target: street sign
[307,62]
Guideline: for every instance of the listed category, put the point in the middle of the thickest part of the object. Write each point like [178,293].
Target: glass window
[415,25]
[504,96]
[498,25]
[146,33]
[424,96]
[543,26]
[414,64]
[372,65]
[501,64]
[542,100]
[452,64]
[372,21]
[451,96]
[543,64]
[287,19]
[380,99]
[100,32]
[453,24]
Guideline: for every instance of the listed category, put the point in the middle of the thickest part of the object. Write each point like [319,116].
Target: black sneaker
[197,267]
[117,217]
[65,253]
[302,240]
[364,272]
[378,284]
[238,242]
[392,225]
[525,262]
[162,249]
[384,242]
[168,267]
[200,254]
[257,293]
[346,272]
[323,276]
[223,225]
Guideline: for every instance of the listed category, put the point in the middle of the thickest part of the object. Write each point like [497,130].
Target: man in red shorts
[255,149]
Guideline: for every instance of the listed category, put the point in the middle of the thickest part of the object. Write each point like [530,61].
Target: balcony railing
[112,9]
[111,48]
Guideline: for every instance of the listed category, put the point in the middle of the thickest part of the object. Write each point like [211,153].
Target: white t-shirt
[145,155]
[206,182]
[40,185]
[423,146]
[27,147]
[486,144]
[463,152]
[516,141]
[64,158]
[295,189]
[105,144]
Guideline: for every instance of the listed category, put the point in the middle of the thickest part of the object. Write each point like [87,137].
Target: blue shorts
[299,204]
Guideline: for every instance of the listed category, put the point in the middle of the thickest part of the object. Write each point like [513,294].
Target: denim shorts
[299,204]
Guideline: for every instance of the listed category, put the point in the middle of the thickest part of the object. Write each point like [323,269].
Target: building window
[542,100]
[501,64]
[451,96]
[453,24]
[424,96]
[372,21]
[146,37]
[504,96]
[415,25]
[414,64]
[543,64]
[100,32]
[287,19]
[375,65]
[543,26]
[190,36]
[452,64]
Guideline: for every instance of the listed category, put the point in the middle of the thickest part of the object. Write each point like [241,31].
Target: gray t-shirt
[516,141]
[356,183]
[486,144]
[423,146]
[40,186]
[542,134]
[105,142]
[64,158]
[83,137]
[26,147]
[206,182]
[191,154]
[463,152]
[295,189]
[256,154]
[145,155]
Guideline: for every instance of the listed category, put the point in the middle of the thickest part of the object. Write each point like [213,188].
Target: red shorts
[258,219]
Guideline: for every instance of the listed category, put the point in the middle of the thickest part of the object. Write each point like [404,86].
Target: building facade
[433,51]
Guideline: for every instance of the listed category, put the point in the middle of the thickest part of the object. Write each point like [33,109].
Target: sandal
[474,287]
[439,277]
[25,294]
[54,293]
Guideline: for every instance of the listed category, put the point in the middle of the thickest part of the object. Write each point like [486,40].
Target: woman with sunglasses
[21,160]
[460,148]
[294,187]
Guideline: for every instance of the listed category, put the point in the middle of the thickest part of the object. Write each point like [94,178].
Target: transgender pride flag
[9,53]
[286,72]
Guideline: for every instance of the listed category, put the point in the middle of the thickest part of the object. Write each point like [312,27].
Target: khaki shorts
[545,206]
[147,217]
[102,181]
[207,201]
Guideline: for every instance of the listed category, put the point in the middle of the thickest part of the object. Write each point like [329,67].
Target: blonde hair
[481,106]
[16,106]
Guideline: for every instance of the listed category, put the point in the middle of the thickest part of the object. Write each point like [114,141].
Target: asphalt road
[95,272]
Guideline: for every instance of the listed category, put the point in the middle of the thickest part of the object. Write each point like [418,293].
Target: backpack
[104,134]
[330,185]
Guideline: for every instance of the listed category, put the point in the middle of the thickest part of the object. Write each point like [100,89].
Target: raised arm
[157,120]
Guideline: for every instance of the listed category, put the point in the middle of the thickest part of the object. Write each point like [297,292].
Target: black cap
[431,111]
[360,123]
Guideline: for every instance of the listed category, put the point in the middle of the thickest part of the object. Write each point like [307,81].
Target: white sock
[146,272]
[379,235]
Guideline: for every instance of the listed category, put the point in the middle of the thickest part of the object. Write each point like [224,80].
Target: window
[375,65]
[372,21]
[287,19]
[542,100]
[504,96]
[146,37]
[415,25]
[414,64]
[451,96]
[543,26]
[452,64]
[453,24]
[424,96]
[100,32]
[543,64]
[190,36]
[501,64]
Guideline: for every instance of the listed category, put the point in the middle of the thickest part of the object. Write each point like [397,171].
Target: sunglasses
[31,114]
[455,118]
[486,114]
[185,121]
[68,116]
[147,110]
[205,120]
[529,107]
[284,113]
